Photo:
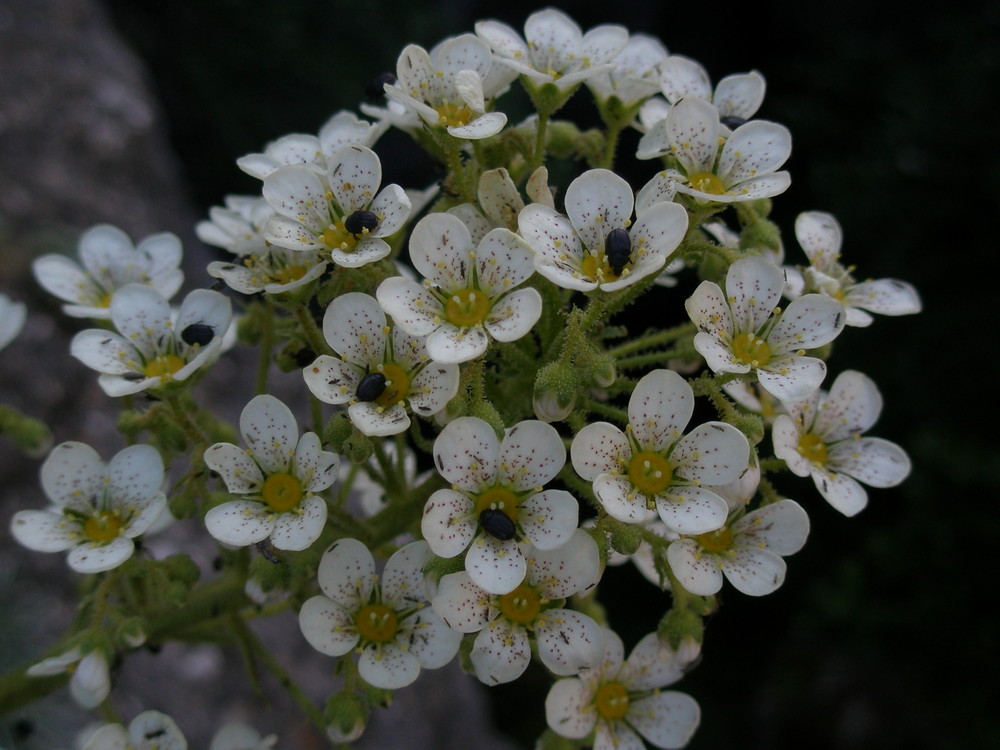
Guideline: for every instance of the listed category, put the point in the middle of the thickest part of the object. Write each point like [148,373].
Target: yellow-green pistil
[812,447]
[377,623]
[467,308]
[282,492]
[163,366]
[717,541]
[521,605]
[397,384]
[754,351]
[103,527]
[611,701]
[498,498]
[650,473]
[707,182]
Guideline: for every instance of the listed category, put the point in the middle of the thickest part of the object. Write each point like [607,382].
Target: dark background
[878,638]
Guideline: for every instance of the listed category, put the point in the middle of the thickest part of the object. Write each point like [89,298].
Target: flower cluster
[489,425]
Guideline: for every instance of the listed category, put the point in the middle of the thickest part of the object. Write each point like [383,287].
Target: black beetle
[732,121]
[197,333]
[618,250]
[371,386]
[497,524]
[359,221]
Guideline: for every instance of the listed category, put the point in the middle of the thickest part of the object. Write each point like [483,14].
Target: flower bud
[680,625]
[555,392]
[625,538]
[132,632]
[604,371]
[346,715]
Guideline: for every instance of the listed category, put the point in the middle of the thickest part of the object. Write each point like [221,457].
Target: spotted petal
[501,652]
[403,577]
[346,573]
[668,719]
[97,558]
[852,407]
[298,529]
[238,470]
[412,307]
[388,667]
[72,475]
[692,130]
[598,448]
[712,453]
[569,710]
[353,326]
[448,523]
[135,475]
[754,149]
[549,518]
[753,288]
[44,531]
[696,571]
[240,522]
[269,429]
[494,565]
[354,174]
[660,407]
[568,641]
[691,510]
[874,461]
[328,626]
[530,455]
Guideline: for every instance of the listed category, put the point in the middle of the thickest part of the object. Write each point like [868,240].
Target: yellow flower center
[467,308]
[752,350]
[103,527]
[650,472]
[104,301]
[282,492]
[707,182]
[336,237]
[376,623]
[289,274]
[611,701]
[716,541]
[453,115]
[498,498]
[596,268]
[813,448]
[521,605]
[397,384]
[163,366]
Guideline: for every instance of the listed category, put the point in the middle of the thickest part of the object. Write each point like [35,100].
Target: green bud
[563,139]
[679,625]
[181,568]
[337,431]
[487,412]
[760,235]
[438,567]
[131,632]
[603,370]
[750,425]
[346,716]
[30,435]
[269,577]
[625,538]
[358,447]
[292,354]
[555,391]
[552,741]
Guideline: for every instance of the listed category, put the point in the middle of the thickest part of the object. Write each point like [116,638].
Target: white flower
[342,130]
[467,298]
[554,49]
[620,700]
[821,437]
[652,466]
[153,346]
[239,736]
[12,317]
[820,236]
[744,170]
[96,510]
[736,97]
[278,474]
[597,245]
[90,683]
[636,72]
[450,86]
[337,212]
[497,496]
[390,625]
[150,730]
[747,551]
[379,370]
[110,262]
[567,641]
[743,330]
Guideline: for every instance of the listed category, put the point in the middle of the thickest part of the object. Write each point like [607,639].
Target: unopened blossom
[150,730]
[151,345]
[277,477]
[743,330]
[554,49]
[653,466]
[108,262]
[96,510]
[450,87]
[497,498]
[744,169]
[342,130]
[469,295]
[597,245]
[341,213]
[90,681]
[379,370]
[748,551]
[12,317]
[821,437]
[389,624]
[635,74]
[567,641]
[821,237]
[622,702]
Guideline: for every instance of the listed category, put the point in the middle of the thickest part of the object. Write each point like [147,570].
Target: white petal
[712,453]
[494,565]
[297,193]
[290,233]
[315,467]
[549,518]
[782,527]
[412,307]
[809,321]
[298,529]
[785,436]
[754,571]
[651,665]
[755,148]
[135,474]
[659,408]
[142,317]
[449,522]
[598,448]
[682,77]
[791,378]
[692,510]
[597,202]
[392,206]
[531,455]
[501,652]
[441,250]
[567,570]
[327,626]
[696,571]
[72,474]
[852,407]
[151,724]
[568,709]
[454,345]
[740,95]
[876,462]
[467,452]
[503,260]
[354,174]
[841,491]
[820,236]
[753,288]
[568,641]
[692,127]
[462,604]
[666,720]
[237,469]
[514,315]
[269,429]
[333,381]
[709,310]
[620,499]
[94,558]
[239,522]
[346,573]
[502,38]
[388,667]
[44,531]
[62,277]
[429,639]
[353,326]
[375,420]
[403,577]
[90,683]
[433,387]
[885,296]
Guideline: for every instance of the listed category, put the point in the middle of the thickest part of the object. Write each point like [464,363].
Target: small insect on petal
[618,250]
[497,524]
[360,221]
[732,121]
[375,90]
[197,333]
[371,386]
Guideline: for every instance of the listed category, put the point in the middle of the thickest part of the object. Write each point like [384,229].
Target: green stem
[266,323]
[653,339]
[653,358]
[313,335]
[610,146]
[179,413]
[540,135]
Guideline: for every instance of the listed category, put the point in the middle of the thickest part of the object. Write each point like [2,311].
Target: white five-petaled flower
[748,551]
[620,700]
[337,212]
[820,236]
[742,330]
[635,73]
[496,497]
[654,467]
[379,369]
[567,641]
[554,49]
[97,509]
[821,437]
[149,730]
[450,86]
[277,475]
[743,170]
[597,245]
[110,262]
[390,624]
[469,296]
[90,682]
[153,346]
[12,317]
